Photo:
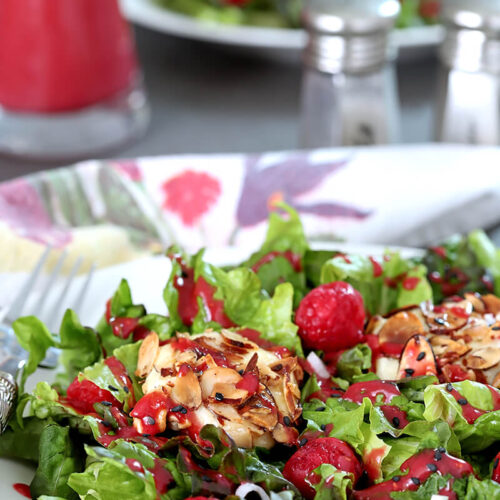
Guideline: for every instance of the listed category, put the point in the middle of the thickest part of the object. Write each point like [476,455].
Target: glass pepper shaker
[349,90]
[469,101]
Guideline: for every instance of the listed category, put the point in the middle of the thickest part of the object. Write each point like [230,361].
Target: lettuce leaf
[441,405]
[44,404]
[246,304]
[101,375]
[284,234]
[159,324]
[273,319]
[367,430]
[313,264]
[108,477]
[60,456]
[241,291]
[121,306]
[355,362]
[466,488]
[80,348]
[419,436]
[128,355]
[334,483]
[468,263]
[34,337]
[387,291]
[28,434]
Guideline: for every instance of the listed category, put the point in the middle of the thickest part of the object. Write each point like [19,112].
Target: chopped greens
[105,430]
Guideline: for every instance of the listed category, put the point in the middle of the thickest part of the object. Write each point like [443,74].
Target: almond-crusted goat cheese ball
[223,379]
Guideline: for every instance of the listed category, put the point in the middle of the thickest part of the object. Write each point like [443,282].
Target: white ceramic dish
[147,13]
[149,292]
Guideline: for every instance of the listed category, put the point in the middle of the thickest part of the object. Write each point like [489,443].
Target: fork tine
[17,306]
[38,307]
[83,291]
[53,316]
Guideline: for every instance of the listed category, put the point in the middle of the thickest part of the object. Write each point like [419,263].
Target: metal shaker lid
[350,17]
[481,15]
[472,41]
[348,35]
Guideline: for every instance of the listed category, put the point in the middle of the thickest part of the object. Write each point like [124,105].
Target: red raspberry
[331,317]
[328,450]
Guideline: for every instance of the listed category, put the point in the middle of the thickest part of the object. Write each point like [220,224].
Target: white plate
[147,278]
[147,13]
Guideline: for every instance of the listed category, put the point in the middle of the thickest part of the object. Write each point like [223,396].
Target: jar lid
[481,15]
[350,17]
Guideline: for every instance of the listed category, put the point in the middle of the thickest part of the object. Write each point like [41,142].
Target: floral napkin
[113,211]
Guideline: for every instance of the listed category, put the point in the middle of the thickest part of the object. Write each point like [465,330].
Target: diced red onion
[317,365]
[246,488]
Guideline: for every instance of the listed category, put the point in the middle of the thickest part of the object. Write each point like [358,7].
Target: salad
[284,13]
[297,374]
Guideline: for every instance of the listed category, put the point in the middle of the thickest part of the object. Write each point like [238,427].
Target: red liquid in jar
[60,55]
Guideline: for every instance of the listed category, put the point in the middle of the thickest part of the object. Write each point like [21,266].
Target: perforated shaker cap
[348,35]
[344,17]
[473,14]
[472,41]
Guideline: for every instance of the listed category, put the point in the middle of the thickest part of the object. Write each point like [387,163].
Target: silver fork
[12,355]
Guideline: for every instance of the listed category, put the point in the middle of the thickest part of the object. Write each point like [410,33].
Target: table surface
[209,98]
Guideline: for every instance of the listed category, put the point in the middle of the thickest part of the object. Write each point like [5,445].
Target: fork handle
[8,397]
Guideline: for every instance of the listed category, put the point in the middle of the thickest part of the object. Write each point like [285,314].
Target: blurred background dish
[414,37]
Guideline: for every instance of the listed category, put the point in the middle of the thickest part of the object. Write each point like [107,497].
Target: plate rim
[147,14]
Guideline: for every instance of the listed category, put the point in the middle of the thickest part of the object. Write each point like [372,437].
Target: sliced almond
[476,332]
[444,345]
[290,399]
[263,417]
[476,301]
[449,373]
[207,362]
[283,434]
[186,357]
[445,322]
[496,381]
[228,392]
[237,343]
[400,327]
[186,390]
[374,325]
[217,375]
[239,433]
[484,358]
[492,303]
[264,441]
[147,354]
[226,411]
[165,357]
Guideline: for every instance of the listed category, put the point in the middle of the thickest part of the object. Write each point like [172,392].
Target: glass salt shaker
[349,90]
[469,101]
